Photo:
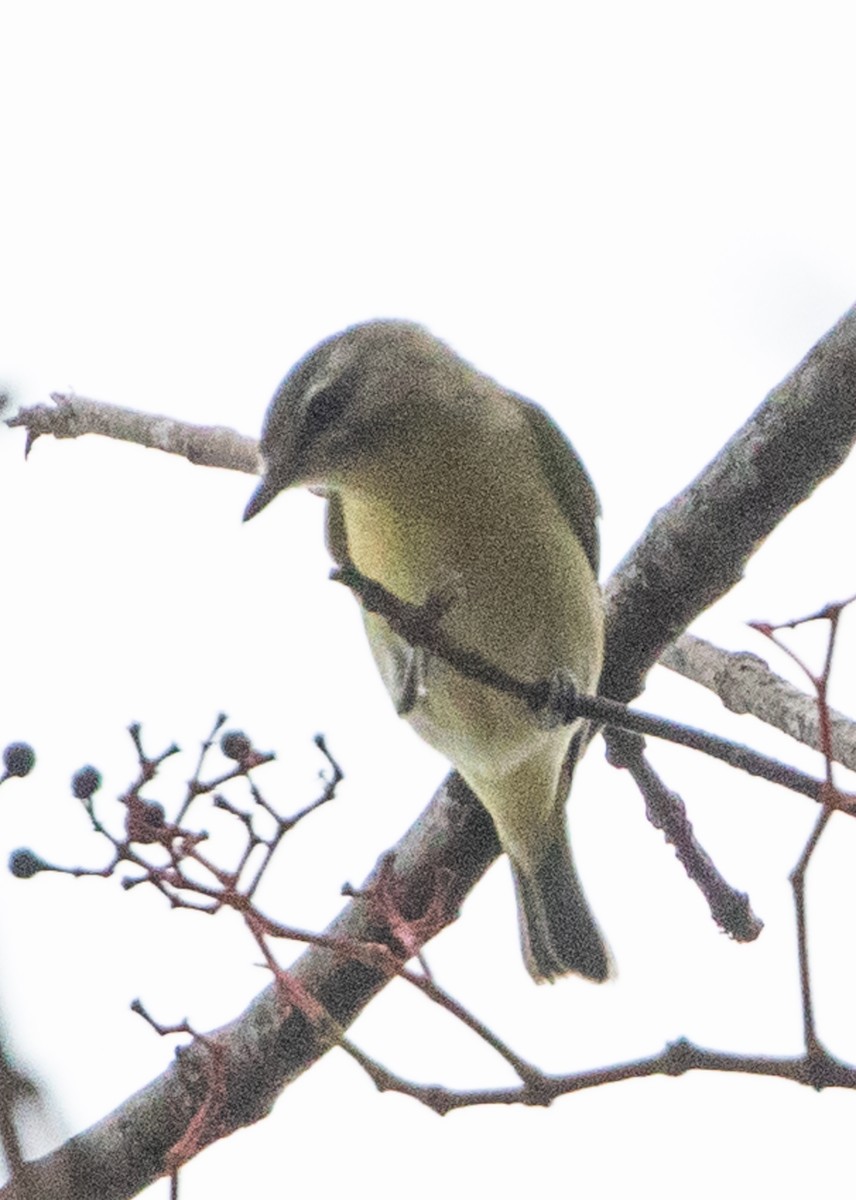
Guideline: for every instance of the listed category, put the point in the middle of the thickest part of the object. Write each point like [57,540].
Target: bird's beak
[261,497]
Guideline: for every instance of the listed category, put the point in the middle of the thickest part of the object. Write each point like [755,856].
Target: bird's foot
[555,700]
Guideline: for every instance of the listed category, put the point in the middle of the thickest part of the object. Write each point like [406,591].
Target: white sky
[639,215]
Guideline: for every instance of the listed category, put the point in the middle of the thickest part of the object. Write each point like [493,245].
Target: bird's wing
[568,479]
[577,499]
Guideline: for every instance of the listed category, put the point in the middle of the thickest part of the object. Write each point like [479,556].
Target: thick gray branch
[697,547]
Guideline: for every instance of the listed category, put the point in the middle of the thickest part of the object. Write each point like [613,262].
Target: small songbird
[439,480]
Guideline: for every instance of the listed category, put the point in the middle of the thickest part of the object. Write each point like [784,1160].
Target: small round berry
[19,758]
[85,782]
[24,864]
[235,745]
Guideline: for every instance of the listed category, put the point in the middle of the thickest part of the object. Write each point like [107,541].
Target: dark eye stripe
[324,410]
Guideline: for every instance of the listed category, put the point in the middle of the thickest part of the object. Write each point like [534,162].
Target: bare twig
[421,626]
[73,416]
[820,681]
[819,1070]
[730,908]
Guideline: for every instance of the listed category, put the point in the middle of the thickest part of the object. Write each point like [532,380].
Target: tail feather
[557,930]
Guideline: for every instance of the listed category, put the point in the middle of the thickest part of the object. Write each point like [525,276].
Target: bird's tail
[557,930]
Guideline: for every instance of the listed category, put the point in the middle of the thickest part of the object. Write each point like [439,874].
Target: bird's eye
[324,410]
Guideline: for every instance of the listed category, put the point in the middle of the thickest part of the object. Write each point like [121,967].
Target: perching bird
[440,480]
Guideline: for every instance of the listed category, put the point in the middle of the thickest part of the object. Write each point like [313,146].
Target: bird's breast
[491,534]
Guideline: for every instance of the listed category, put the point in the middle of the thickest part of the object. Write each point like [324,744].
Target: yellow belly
[525,599]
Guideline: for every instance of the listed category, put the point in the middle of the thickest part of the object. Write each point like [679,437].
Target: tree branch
[745,684]
[73,416]
[696,548]
[817,1070]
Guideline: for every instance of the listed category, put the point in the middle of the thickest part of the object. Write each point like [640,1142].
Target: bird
[438,480]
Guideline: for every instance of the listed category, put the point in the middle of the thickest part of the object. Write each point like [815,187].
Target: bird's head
[348,401]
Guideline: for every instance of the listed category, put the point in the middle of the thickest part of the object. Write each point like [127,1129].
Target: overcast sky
[640,215]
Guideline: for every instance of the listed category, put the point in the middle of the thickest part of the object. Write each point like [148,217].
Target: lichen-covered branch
[73,416]
[745,684]
[697,546]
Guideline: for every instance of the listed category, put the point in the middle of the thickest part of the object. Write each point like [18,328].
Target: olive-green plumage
[437,478]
